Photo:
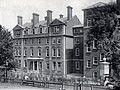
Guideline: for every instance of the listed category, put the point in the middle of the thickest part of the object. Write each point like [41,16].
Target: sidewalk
[9,86]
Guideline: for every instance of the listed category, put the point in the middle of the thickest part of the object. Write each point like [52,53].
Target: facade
[78,51]
[45,47]
[93,67]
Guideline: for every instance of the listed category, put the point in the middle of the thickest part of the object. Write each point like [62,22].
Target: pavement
[9,86]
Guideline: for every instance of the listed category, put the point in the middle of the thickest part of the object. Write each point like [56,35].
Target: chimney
[118,2]
[49,17]
[35,18]
[19,20]
[45,18]
[69,12]
[61,16]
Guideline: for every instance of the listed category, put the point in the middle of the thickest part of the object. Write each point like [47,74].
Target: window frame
[77,52]
[88,63]
[95,60]
[77,65]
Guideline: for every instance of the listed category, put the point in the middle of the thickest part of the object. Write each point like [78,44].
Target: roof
[64,19]
[80,25]
[99,4]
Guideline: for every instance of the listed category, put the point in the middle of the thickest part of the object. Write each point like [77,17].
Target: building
[45,47]
[93,68]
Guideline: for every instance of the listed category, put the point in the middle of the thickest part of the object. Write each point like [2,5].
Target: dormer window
[56,29]
[89,22]
[17,33]
[40,29]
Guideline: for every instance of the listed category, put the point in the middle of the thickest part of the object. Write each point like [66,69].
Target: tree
[6,48]
[103,30]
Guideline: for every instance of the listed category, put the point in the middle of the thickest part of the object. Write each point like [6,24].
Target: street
[9,86]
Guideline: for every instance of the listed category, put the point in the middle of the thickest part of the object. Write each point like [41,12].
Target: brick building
[45,47]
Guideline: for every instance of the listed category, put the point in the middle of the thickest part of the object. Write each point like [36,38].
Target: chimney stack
[69,12]
[45,18]
[49,17]
[35,18]
[118,2]
[19,20]
[61,16]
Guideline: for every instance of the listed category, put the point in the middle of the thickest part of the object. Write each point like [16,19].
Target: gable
[56,22]
[17,27]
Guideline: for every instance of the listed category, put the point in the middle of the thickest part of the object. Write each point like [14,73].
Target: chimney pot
[69,12]
[19,20]
[61,16]
[45,18]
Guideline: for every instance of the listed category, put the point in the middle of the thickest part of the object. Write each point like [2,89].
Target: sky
[10,9]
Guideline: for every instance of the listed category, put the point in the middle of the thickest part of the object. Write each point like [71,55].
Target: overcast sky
[10,9]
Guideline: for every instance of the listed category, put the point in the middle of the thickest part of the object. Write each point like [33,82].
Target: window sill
[95,64]
[88,67]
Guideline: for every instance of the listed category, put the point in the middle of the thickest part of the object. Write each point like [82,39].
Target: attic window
[56,29]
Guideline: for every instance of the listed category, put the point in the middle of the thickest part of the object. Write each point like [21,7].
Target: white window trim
[58,40]
[93,42]
[77,54]
[31,51]
[47,40]
[77,67]
[53,40]
[77,38]
[59,68]
[53,52]
[25,52]
[47,51]
[94,74]
[87,49]
[58,53]
[39,51]
[87,64]
[95,60]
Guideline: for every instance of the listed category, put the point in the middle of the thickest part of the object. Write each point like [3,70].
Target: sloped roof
[99,4]
[64,19]
[80,25]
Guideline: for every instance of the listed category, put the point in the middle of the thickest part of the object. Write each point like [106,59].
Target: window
[88,22]
[77,40]
[39,51]
[118,21]
[31,65]
[39,41]
[54,40]
[88,48]
[40,65]
[47,40]
[77,65]
[59,65]
[47,65]
[16,51]
[58,52]
[54,65]
[17,33]
[53,52]
[25,63]
[16,42]
[19,42]
[32,41]
[25,41]
[25,52]
[58,40]
[47,52]
[95,60]
[19,52]
[77,52]
[94,75]
[19,63]
[35,65]
[31,51]
[56,29]
[33,31]
[94,44]
[88,64]
[102,56]
[40,29]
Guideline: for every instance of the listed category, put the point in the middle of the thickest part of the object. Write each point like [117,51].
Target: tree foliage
[6,47]
[103,29]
